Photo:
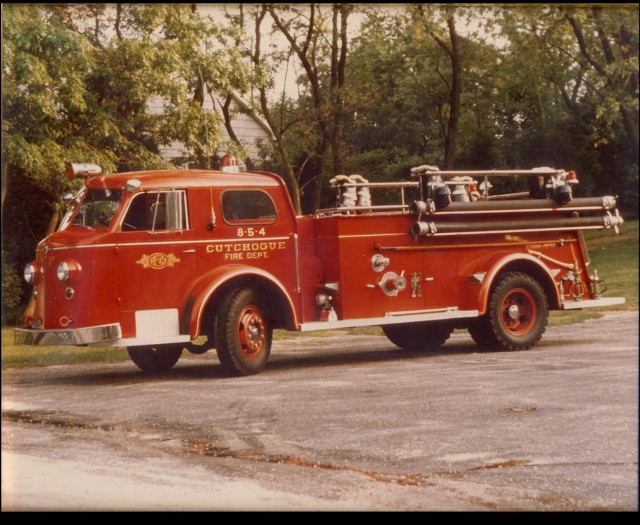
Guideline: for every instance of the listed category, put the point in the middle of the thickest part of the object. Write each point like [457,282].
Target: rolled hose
[593,203]
[422,228]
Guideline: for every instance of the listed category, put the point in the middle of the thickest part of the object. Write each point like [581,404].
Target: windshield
[98,208]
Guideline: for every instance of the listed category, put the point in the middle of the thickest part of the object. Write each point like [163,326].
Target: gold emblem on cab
[158,261]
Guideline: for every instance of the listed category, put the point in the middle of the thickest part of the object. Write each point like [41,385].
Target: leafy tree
[404,101]
[11,294]
[527,95]
[77,85]
[451,47]
[310,40]
[580,64]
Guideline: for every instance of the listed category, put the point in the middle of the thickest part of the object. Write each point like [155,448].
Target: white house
[249,127]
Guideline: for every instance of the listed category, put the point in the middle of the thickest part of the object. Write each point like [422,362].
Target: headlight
[68,271]
[29,273]
[63,271]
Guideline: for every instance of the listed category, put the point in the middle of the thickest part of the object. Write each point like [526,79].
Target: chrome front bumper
[71,337]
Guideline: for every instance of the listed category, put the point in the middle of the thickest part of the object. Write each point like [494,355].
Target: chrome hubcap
[514,312]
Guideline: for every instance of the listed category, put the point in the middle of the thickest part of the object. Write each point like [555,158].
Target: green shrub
[11,294]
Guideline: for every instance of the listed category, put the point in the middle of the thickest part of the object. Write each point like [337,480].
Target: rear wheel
[418,336]
[155,358]
[242,333]
[517,314]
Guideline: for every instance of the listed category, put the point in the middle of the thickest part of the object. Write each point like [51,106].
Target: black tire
[199,349]
[482,333]
[155,359]
[203,346]
[418,336]
[518,312]
[242,333]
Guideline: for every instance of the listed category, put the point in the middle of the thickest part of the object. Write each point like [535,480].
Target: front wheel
[418,336]
[518,312]
[242,333]
[154,359]
[482,333]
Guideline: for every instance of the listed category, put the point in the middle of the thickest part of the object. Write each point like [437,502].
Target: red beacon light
[229,163]
[572,178]
[76,170]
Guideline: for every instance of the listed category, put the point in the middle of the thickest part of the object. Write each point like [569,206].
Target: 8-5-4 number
[251,232]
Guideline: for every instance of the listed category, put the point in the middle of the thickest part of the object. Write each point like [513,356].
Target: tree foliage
[78,85]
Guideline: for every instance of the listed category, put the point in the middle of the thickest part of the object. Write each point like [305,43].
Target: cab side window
[157,211]
[248,207]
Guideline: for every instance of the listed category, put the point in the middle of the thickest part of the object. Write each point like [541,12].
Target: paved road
[336,423]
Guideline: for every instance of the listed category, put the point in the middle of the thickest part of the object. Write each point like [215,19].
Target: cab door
[257,232]
[156,264]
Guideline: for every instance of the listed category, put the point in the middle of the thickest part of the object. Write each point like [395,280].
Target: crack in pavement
[151,434]
[208,448]
[203,448]
[56,419]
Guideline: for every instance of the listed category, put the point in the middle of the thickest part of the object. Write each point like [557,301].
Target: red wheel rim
[251,331]
[518,312]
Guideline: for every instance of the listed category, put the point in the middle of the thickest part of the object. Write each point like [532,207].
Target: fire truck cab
[163,261]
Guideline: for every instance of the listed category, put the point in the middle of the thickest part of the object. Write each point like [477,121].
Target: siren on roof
[229,163]
[75,170]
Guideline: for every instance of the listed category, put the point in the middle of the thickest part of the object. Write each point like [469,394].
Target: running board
[140,341]
[414,316]
[592,303]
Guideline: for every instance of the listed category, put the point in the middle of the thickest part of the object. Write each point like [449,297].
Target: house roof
[247,109]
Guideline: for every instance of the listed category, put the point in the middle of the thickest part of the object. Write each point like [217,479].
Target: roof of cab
[168,179]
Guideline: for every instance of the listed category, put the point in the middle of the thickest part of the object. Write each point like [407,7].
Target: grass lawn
[614,256]
[14,356]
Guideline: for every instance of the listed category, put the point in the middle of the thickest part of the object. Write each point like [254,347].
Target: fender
[207,285]
[501,262]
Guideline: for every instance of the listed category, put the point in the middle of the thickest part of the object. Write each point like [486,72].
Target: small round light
[29,273]
[63,271]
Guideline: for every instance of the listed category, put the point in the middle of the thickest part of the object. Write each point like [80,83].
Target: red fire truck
[163,261]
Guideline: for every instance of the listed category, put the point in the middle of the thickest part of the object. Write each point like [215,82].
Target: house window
[247,207]
[157,211]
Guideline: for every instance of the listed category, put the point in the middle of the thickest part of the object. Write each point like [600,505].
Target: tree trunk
[264,105]
[118,21]
[284,154]
[226,114]
[454,99]
[321,154]
[323,111]
[5,184]
[453,51]
[631,128]
[338,65]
